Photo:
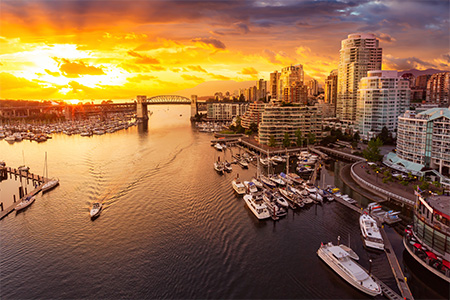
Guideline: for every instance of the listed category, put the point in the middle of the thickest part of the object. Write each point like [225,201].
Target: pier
[37,180]
[344,155]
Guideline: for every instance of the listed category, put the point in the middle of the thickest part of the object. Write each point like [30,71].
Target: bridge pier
[194,106]
[141,108]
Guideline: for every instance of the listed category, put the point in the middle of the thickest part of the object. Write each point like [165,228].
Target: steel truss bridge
[167,99]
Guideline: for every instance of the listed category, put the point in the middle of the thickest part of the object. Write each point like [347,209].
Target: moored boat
[257,205]
[251,187]
[25,203]
[238,186]
[371,232]
[339,260]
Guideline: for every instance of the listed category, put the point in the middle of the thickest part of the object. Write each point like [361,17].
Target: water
[171,226]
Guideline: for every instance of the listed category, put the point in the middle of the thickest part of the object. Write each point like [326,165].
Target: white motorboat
[295,178]
[277,159]
[257,206]
[348,199]
[371,232]
[238,186]
[227,167]
[95,210]
[218,166]
[339,260]
[277,180]
[281,200]
[291,197]
[267,181]
[218,147]
[251,187]
[10,139]
[258,183]
[243,163]
[25,203]
[264,161]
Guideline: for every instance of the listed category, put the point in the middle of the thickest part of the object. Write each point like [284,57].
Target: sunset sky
[85,50]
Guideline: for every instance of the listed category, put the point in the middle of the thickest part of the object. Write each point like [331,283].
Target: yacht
[371,232]
[218,166]
[218,147]
[251,187]
[257,206]
[243,163]
[277,180]
[95,210]
[25,203]
[258,183]
[238,186]
[227,167]
[281,201]
[340,261]
[51,184]
[267,181]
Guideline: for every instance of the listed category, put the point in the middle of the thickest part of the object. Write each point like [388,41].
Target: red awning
[431,255]
[442,214]
[446,263]
[418,246]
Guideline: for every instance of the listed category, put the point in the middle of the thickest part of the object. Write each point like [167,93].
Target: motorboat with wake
[371,232]
[340,261]
[96,209]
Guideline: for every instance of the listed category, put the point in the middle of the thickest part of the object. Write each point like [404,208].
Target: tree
[311,138]
[385,136]
[372,153]
[298,134]
[356,136]
[286,140]
[242,98]
[253,127]
[272,142]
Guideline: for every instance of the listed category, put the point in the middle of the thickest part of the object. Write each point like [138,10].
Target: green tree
[372,153]
[299,141]
[238,121]
[356,136]
[272,142]
[254,127]
[286,140]
[311,138]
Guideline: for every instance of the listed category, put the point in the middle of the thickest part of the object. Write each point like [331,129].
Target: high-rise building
[438,89]
[253,114]
[359,54]
[273,84]
[261,90]
[331,89]
[290,77]
[278,120]
[313,87]
[382,97]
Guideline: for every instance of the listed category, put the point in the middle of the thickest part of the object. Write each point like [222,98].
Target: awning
[418,246]
[446,263]
[431,255]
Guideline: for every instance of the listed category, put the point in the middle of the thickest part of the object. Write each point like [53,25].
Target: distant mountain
[416,72]
[209,88]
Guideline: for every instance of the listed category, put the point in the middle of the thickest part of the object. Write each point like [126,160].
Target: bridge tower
[194,108]
[141,107]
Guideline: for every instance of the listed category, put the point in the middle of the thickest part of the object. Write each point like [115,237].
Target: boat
[218,147]
[227,167]
[95,210]
[350,252]
[340,261]
[277,180]
[264,161]
[238,186]
[23,168]
[293,199]
[25,203]
[277,159]
[257,205]
[391,217]
[251,187]
[267,181]
[295,178]
[49,184]
[371,232]
[243,163]
[281,200]
[218,167]
[258,183]
[348,199]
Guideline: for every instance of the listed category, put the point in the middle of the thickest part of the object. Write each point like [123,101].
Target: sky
[106,49]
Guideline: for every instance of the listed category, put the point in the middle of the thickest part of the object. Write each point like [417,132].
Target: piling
[1,205]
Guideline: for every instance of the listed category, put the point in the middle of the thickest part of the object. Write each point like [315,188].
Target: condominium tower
[438,89]
[359,54]
[382,97]
[290,79]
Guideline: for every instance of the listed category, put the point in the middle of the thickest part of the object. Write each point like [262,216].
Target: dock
[37,180]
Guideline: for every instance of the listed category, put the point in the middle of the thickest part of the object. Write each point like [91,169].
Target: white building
[382,97]
[225,111]
[423,144]
[253,114]
[359,54]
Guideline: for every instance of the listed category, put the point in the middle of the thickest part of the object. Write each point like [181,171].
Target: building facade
[225,111]
[423,143]
[261,90]
[382,97]
[331,89]
[438,89]
[253,114]
[278,120]
[290,78]
[359,54]
[273,84]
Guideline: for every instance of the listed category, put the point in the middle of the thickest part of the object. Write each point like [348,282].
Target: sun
[73,101]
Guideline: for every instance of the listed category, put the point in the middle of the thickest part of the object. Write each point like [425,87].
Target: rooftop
[440,202]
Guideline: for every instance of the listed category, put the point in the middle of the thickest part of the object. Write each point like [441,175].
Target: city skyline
[88,50]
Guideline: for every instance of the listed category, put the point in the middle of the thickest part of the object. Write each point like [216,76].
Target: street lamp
[377,176]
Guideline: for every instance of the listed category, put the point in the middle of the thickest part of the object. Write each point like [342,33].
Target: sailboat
[49,184]
[23,168]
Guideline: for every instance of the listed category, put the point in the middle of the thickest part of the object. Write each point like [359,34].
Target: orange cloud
[209,43]
[196,69]
[143,59]
[140,78]
[73,69]
[56,74]
[249,71]
[192,78]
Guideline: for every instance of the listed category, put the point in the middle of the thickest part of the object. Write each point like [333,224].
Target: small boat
[218,167]
[267,181]
[251,187]
[49,185]
[256,204]
[295,178]
[391,217]
[23,168]
[258,183]
[277,159]
[371,232]
[238,186]
[218,147]
[264,161]
[348,199]
[340,261]
[277,180]
[227,167]
[281,200]
[243,163]
[25,203]
[95,210]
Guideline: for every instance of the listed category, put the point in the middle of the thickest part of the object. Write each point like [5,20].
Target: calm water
[171,226]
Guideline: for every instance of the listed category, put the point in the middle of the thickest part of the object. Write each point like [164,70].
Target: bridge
[142,102]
